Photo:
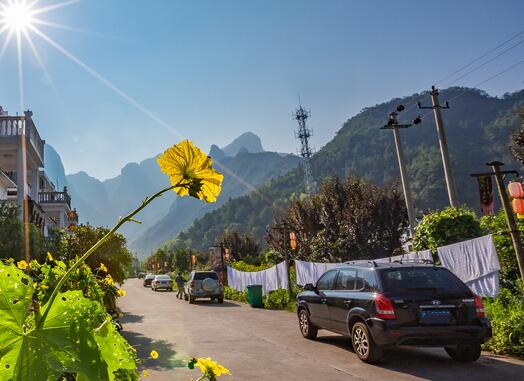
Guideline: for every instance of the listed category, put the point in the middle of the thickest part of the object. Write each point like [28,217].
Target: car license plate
[439,316]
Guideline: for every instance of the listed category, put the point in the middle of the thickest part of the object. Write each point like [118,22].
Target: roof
[6,180]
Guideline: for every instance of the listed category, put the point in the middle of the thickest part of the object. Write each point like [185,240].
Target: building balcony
[55,198]
[13,127]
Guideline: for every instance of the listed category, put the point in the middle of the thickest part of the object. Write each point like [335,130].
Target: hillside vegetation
[478,128]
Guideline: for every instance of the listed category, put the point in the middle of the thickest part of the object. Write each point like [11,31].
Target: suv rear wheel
[363,344]
[464,352]
[307,330]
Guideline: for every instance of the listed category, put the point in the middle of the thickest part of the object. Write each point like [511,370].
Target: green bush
[509,269]
[506,313]
[232,294]
[277,300]
[445,227]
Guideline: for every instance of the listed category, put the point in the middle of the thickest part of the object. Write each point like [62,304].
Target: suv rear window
[204,275]
[421,278]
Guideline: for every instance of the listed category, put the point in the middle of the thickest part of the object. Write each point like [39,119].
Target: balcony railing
[13,126]
[55,198]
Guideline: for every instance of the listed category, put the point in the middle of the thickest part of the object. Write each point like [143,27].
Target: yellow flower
[154,355]
[191,171]
[22,265]
[109,279]
[103,267]
[44,286]
[121,292]
[49,257]
[208,366]
[145,373]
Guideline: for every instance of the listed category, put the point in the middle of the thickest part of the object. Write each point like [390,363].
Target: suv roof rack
[372,263]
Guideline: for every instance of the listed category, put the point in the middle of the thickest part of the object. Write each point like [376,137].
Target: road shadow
[435,365]
[130,318]
[213,304]
[144,345]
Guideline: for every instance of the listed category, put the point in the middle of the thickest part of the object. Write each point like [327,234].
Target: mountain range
[244,163]
[478,128]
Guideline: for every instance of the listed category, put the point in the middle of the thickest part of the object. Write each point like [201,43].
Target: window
[366,280]
[204,275]
[346,280]
[326,281]
[421,278]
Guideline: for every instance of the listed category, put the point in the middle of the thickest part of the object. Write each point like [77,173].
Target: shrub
[277,300]
[445,227]
[232,294]
[506,313]
[509,269]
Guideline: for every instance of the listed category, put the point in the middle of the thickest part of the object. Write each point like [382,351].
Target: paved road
[266,345]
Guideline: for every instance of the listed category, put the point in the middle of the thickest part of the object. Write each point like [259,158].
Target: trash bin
[254,295]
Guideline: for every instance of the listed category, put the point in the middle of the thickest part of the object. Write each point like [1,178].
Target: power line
[480,57]
[483,55]
[486,62]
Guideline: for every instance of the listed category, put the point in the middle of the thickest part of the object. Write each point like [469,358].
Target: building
[23,180]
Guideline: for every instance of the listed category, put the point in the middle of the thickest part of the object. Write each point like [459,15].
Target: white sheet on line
[270,279]
[475,262]
[310,272]
[424,255]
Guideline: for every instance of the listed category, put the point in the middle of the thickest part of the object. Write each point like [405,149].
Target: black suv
[383,305]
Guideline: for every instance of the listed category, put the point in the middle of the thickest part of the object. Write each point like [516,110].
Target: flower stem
[86,255]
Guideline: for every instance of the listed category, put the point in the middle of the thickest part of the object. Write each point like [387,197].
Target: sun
[16,15]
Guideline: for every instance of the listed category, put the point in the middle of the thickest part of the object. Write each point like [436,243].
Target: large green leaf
[75,338]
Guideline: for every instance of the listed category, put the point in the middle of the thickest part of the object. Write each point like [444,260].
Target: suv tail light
[384,307]
[479,306]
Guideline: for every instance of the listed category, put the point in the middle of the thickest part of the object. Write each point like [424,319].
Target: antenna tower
[303,133]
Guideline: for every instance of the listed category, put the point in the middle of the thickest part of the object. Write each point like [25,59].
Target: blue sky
[214,69]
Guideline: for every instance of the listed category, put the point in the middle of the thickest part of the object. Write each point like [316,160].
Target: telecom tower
[303,134]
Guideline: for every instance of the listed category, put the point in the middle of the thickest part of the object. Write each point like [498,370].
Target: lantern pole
[512,225]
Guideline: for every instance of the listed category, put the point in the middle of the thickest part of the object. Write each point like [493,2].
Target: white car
[162,282]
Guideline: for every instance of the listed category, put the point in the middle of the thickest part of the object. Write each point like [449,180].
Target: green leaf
[75,338]
[115,350]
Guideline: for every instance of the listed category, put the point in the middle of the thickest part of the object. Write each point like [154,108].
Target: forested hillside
[478,128]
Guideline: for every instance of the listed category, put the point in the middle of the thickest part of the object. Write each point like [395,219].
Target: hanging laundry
[310,272]
[475,262]
[270,279]
[414,256]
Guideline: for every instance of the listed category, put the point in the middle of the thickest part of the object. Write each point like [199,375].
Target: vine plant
[71,334]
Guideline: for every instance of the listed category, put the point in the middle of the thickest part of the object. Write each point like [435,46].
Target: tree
[517,139]
[243,246]
[347,220]
[445,227]
[114,253]
[12,235]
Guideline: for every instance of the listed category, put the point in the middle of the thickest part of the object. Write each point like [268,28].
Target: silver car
[162,282]
[204,284]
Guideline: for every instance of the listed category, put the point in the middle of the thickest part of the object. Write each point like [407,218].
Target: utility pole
[392,124]
[512,225]
[436,107]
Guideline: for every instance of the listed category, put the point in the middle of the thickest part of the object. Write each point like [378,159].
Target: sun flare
[16,15]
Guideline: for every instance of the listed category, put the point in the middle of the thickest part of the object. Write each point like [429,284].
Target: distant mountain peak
[247,142]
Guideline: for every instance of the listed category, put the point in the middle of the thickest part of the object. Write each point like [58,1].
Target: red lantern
[293,240]
[515,189]
[518,205]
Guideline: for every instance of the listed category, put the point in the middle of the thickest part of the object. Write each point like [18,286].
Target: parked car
[204,284]
[384,305]
[148,279]
[162,282]
[141,275]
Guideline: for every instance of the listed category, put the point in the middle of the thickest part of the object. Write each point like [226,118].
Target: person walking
[180,284]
